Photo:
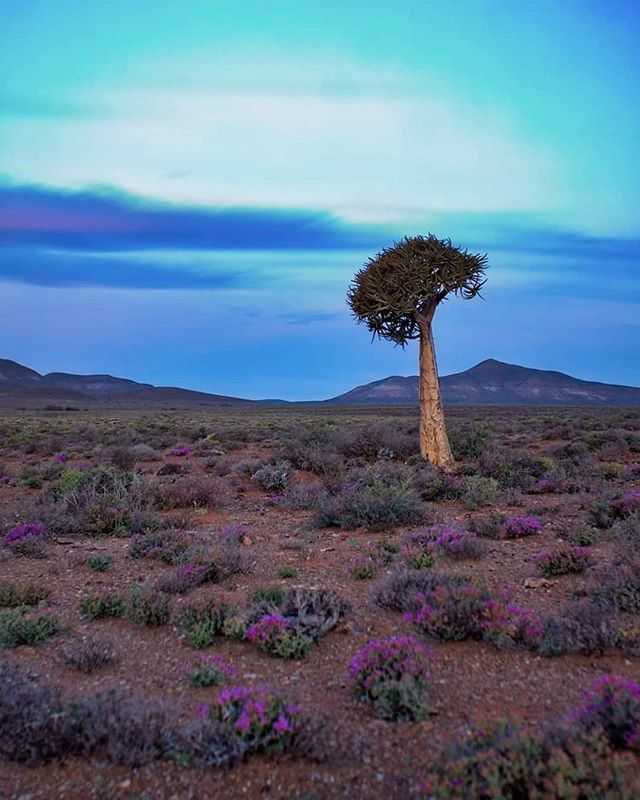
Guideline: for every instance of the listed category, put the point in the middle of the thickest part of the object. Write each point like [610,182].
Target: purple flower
[61,458]
[22,532]
[282,724]
[521,526]
[180,451]
[203,710]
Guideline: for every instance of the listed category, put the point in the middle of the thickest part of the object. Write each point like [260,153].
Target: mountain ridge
[488,382]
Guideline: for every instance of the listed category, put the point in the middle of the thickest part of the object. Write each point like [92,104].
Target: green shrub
[99,562]
[102,604]
[18,628]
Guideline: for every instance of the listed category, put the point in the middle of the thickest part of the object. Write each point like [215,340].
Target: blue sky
[187,187]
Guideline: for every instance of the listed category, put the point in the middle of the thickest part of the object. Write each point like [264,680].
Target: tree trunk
[434,444]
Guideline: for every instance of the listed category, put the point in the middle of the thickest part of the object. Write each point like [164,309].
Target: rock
[536,583]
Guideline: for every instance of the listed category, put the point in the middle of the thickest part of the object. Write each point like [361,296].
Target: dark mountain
[14,374]
[494,382]
[490,382]
[20,385]
[93,385]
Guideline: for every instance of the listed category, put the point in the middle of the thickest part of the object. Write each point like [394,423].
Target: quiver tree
[396,295]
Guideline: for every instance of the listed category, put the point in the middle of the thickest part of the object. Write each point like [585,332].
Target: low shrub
[99,562]
[273,477]
[490,526]
[364,567]
[618,587]
[259,716]
[279,636]
[479,491]
[89,655]
[392,674]
[613,707]
[563,559]
[509,763]
[211,671]
[19,627]
[516,527]
[99,605]
[374,506]
[581,627]
[202,622]
[13,596]
[147,606]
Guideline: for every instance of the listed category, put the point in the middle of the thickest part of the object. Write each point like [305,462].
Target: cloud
[107,220]
[77,270]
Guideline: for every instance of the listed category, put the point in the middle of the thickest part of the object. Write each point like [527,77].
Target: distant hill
[21,385]
[494,382]
[490,382]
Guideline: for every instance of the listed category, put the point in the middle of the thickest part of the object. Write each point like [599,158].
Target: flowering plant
[625,506]
[279,636]
[259,716]
[20,533]
[514,527]
[563,559]
[613,705]
[392,674]
[211,671]
[180,451]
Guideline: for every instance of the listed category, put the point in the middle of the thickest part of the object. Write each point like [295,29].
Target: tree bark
[434,443]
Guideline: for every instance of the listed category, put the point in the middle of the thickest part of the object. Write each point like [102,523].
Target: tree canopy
[401,286]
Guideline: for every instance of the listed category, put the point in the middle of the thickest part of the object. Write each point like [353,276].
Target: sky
[187,187]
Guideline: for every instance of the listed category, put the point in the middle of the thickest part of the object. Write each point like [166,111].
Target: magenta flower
[22,532]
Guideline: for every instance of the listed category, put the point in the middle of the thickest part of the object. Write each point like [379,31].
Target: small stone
[536,583]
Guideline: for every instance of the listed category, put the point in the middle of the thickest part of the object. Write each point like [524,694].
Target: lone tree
[396,295]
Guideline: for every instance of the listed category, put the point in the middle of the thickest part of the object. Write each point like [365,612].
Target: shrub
[89,655]
[625,506]
[13,596]
[314,611]
[273,477]
[506,624]
[363,567]
[287,571]
[273,596]
[515,527]
[197,491]
[479,492]
[392,675]
[99,562]
[233,534]
[452,612]
[37,726]
[618,586]
[169,546]
[467,445]
[518,470]
[581,627]
[20,534]
[201,623]
[147,606]
[457,544]
[508,763]
[563,559]
[489,526]
[18,627]
[279,636]
[259,716]
[584,537]
[613,707]
[211,671]
[102,604]
[375,506]
[399,591]
[435,486]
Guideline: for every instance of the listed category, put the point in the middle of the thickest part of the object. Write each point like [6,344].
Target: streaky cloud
[79,270]
[106,220]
